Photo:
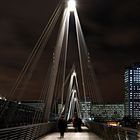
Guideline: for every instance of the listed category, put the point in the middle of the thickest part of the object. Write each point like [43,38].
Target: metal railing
[29,132]
[113,133]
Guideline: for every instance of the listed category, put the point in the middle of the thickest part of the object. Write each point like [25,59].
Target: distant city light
[71,5]
[89,119]
[2,98]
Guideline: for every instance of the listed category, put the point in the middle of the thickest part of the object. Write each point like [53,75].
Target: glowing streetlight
[71,5]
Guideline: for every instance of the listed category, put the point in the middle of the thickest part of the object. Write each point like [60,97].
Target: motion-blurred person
[62,125]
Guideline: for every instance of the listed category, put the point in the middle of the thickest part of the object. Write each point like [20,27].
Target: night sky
[111,29]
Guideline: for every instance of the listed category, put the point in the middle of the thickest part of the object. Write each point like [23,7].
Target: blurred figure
[77,122]
[74,121]
[62,125]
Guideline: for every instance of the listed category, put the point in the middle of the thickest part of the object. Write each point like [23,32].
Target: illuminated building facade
[132,91]
[85,109]
[108,111]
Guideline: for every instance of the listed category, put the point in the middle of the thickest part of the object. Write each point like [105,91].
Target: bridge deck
[71,135]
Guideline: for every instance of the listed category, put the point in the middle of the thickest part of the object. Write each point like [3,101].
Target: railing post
[118,135]
[126,136]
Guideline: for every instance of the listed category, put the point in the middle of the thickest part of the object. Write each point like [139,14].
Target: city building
[17,114]
[85,109]
[132,91]
[108,111]
[34,103]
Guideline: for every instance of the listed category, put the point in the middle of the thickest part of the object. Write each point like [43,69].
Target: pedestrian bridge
[96,131]
[67,80]
[46,131]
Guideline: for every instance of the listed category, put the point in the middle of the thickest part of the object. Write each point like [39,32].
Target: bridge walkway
[72,135]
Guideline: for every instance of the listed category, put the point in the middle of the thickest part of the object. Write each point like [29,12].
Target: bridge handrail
[28,132]
[114,133]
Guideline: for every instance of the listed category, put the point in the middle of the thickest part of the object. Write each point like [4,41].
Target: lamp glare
[71,5]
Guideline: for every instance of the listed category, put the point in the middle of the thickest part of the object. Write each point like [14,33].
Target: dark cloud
[111,29]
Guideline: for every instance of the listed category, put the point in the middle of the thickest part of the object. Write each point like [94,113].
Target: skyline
[111,30]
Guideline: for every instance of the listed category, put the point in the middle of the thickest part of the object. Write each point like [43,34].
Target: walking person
[62,125]
[74,121]
[79,123]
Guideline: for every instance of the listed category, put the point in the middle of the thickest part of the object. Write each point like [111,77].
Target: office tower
[85,109]
[132,91]
[108,111]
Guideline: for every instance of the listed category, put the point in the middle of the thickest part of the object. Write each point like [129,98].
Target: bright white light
[74,73]
[89,119]
[71,5]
